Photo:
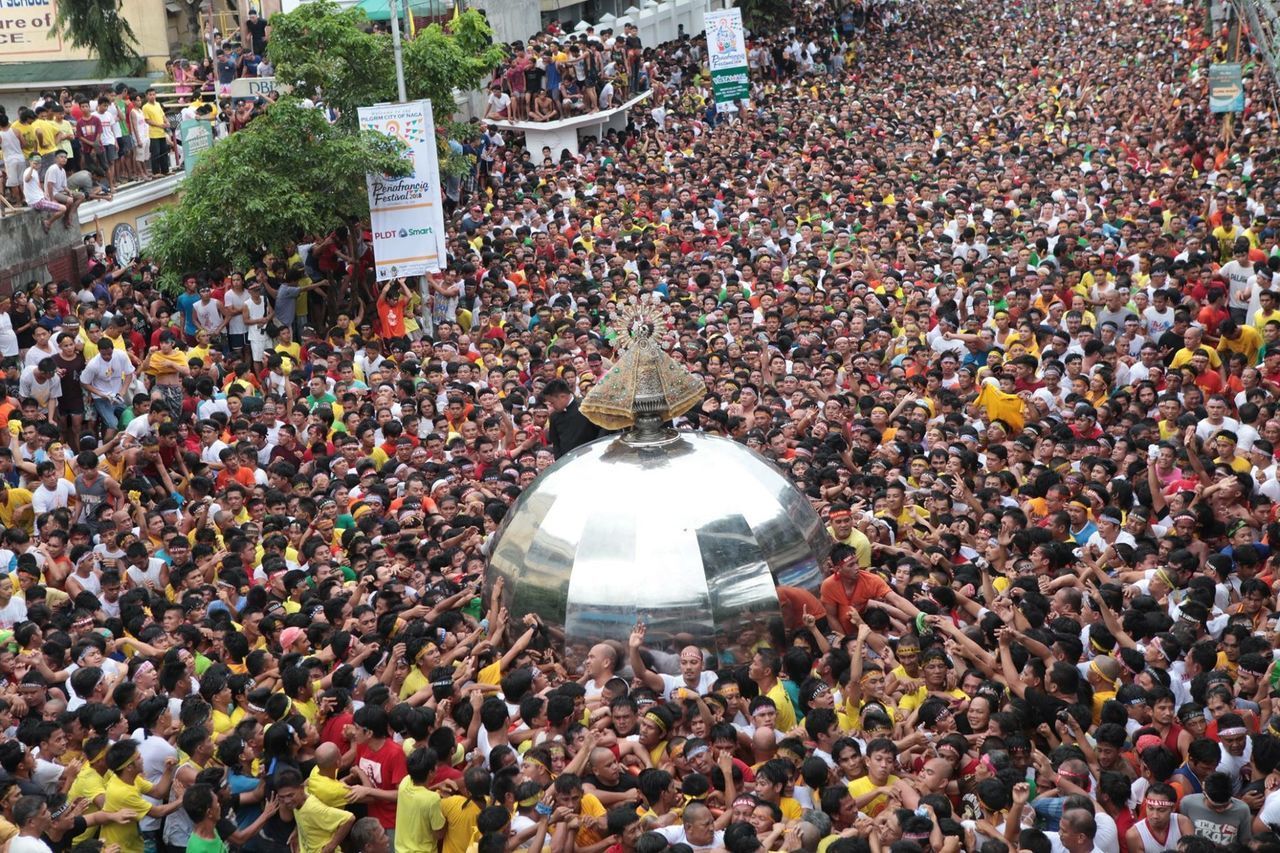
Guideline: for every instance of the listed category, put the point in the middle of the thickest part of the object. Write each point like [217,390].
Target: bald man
[602,663]
[611,784]
[324,784]
[698,830]
[932,779]
[693,678]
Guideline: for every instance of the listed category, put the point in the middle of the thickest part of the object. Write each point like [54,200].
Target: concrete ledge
[134,195]
[562,135]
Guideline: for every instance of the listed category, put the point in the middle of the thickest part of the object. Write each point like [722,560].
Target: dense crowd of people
[989,284]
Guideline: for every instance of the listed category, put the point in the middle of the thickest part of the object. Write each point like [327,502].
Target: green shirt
[196,844]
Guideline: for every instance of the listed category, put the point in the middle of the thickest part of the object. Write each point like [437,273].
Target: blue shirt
[186,304]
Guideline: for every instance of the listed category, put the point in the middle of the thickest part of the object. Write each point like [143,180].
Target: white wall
[661,22]
[512,20]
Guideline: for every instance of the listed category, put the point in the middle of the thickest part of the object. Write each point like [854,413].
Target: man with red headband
[843,530]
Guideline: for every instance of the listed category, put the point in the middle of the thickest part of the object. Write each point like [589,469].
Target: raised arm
[651,679]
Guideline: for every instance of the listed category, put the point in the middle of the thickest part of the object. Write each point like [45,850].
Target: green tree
[97,26]
[328,51]
[290,172]
[319,48]
[287,174]
[766,16]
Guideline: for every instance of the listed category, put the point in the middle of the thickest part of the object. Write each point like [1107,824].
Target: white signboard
[252,87]
[142,225]
[727,56]
[407,214]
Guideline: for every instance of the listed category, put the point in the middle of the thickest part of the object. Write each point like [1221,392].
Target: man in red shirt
[89,132]
[379,762]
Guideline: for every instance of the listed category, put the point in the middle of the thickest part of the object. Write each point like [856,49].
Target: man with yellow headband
[124,789]
[426,657]
[655,726]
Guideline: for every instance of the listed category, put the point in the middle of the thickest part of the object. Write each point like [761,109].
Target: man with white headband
[1162,827]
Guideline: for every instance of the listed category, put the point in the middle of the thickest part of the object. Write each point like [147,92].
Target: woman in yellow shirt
[460,812]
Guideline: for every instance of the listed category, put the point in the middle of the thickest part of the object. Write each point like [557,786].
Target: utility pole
[395,49]
[1233,55]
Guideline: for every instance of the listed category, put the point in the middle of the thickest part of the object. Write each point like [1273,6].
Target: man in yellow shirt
[320,828]
[324,784]
[1192,340]
[1241,339]
[90,782]
[157,134]
[46,131]
[1267,310]
[843,530]
[15,506]
[124,789]
[764,670]
[1000,403]
[461,812]
[869,791]
[1227,440]
[419,817]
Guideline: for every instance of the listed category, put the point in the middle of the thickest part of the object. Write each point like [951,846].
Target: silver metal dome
[688,532]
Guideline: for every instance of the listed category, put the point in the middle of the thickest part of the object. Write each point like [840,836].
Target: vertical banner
[1226,88]
[407,214]
[196,138]
[727,56]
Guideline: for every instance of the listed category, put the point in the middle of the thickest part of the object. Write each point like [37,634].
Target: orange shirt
[865,587]
[795,602]
[243,476]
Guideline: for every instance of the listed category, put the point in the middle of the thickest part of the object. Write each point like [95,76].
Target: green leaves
[326,51]
[320,48]
[98,26]
[766,16]
[288,174]
[437,62]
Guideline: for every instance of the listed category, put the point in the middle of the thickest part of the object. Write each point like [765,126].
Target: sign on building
[407,214]
[252,87]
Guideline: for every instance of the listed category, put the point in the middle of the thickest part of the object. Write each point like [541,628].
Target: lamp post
[395,49]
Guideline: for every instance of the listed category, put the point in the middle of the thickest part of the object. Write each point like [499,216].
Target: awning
[18,76]
[379,10]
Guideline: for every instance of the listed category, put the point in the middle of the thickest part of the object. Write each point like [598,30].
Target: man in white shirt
[53,491]
[40,382]
[1238,271]
[698,829]
[12,608]
[55,186]
[104,379]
